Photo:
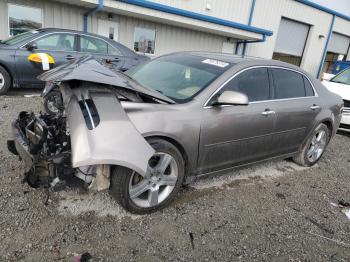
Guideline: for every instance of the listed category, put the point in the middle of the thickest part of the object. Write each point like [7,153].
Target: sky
[341,6]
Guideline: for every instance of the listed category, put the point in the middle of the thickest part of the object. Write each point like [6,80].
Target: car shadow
[343,133]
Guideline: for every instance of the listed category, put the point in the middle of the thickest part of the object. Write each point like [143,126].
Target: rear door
[101,50]
[297,106]
[233,135]
[59,46]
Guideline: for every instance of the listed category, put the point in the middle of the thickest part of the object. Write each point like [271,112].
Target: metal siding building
[163,26]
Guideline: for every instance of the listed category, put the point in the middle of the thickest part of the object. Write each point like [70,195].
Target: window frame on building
[25,6]
[154,41]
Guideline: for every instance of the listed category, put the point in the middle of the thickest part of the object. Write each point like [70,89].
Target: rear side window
[288,84]
[93,45]
[309,91]
[254,83]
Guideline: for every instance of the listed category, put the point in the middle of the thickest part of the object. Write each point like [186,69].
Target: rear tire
[5,81]
[123,181]
[314,147]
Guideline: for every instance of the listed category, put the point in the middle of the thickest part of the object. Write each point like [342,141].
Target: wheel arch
[178,145]
[329,125]
[7,69]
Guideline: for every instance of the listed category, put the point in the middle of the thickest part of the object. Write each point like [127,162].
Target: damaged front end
[89,133]
[42,142]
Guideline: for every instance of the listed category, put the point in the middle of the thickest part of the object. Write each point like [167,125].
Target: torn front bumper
[19,146]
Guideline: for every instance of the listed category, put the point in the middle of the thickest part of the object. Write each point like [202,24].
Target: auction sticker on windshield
[215,62]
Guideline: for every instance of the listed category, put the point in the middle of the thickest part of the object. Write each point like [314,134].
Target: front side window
[23,19]
[342,78]
[58,42]
[144,40]
[179,77]
[93,45]
[288,84]
[253,82]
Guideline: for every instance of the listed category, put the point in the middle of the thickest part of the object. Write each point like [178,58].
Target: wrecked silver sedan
[145,133]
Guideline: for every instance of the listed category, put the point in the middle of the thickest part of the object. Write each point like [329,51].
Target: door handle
[69,57]
[314,107]
[268,112]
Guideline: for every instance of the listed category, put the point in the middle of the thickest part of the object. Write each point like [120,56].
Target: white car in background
[340,85]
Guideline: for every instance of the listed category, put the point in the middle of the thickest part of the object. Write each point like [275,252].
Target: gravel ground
[276,211]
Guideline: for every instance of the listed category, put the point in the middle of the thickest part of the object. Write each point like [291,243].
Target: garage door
[291,38]
[339,44]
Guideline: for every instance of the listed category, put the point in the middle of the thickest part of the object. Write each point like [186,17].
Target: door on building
[60,46]
[291,41]
[108,28]
[338,49]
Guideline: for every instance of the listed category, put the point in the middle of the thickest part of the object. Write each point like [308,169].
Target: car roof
[239,59]
[42,30]
[111,41]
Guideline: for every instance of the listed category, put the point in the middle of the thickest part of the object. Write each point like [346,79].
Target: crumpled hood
[339,89]
[89,69]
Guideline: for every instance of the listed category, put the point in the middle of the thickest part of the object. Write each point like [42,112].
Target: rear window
[288,84]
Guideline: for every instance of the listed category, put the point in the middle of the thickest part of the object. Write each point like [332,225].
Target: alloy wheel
[317,146]
[158,183]
[2,81]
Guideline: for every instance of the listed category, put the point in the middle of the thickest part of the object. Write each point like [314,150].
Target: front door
[108,28]
[59,46]
[234,135]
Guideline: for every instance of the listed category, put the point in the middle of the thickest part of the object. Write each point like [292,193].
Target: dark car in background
[25,56]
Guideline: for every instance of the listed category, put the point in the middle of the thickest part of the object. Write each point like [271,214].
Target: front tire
[52,102]
[142,195]
[5,81]
[314,147]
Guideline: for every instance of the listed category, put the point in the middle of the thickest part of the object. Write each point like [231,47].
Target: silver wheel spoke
[163,163]
[320,136]
[149,172]
[311,151]
[153,196]
[167,180]
[317,146]
[138,189]
[2,82]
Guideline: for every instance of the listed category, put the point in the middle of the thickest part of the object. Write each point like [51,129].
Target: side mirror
[231,98]
[31,46]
